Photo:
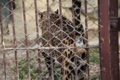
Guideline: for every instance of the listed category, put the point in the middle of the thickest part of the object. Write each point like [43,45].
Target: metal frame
[114,39]
[104,39]
[109,39]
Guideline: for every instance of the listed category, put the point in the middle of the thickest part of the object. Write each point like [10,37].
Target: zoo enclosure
[108,39]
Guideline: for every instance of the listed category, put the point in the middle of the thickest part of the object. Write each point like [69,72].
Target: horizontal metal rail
[40,48]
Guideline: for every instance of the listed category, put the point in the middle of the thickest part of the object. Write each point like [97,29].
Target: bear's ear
[56,11]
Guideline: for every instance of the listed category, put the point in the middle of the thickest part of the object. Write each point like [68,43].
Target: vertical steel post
[61,37]
[2,41]
[14,39]
[86,36]
[51,74]
[26,38]
[76,22]
[104,39]
[38,41]
[114,39]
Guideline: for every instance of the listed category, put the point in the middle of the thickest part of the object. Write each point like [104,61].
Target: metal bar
[114,52]
[36,19]
[73,20]
[104,40]
[99,32]
[76,22]
[14,39]
[119,24]
[73,14]
[86,36]
[26,37]
[99,27]
[4,61]
[114,55]
[51,76]
[2,40]
[61,37]
[38,41]
[29,48]
[1,27]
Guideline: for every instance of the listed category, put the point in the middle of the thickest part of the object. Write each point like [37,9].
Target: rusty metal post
[38,41]
[104,39]
[119,24]
[76,22]
[114,39]
[51,75]
[14,39]
[109,39]
[3,46]
[86,35]
[26,38]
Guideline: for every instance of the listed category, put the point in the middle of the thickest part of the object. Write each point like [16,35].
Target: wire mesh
[49,40]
